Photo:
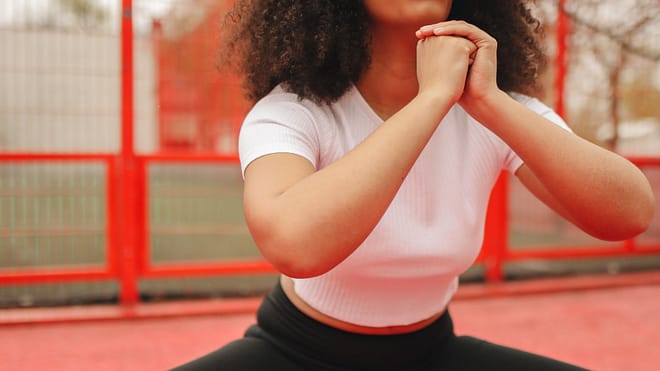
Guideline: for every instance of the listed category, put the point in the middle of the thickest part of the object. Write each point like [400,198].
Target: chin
[410,12]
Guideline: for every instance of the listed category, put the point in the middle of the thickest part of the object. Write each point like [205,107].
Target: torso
[288,287]
[406,271]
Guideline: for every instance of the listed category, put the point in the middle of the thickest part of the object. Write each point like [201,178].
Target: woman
[379,131]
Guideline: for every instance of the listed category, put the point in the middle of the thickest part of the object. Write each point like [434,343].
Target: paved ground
[609,328]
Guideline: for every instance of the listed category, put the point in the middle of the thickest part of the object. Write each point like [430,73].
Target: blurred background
[119,178]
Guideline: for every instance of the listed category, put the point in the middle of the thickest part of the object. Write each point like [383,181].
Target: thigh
[247,354]
[467,353]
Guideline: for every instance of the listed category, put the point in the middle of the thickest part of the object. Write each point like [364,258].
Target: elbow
[291,255]
[643,215]
[641,205]
[625,231]
[631,208]
[298,246]
[631,221]
[298,268]
[292,260]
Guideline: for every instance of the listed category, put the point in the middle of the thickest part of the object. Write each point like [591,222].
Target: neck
[390,82]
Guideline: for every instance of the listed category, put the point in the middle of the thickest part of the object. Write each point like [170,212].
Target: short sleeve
[512,160]
[278,124]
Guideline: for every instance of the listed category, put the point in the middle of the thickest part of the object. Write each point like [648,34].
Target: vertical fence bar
[561,60]
[128,201]
[142,217]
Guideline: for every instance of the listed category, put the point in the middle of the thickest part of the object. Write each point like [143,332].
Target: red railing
[128,251]
[496,250]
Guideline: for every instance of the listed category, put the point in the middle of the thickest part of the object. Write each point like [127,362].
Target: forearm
[602,192]
[319,220]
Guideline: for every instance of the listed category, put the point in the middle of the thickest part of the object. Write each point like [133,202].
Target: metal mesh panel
[196,214]
[60,81]
[59,93]
[58,294]
[532,224]
[52,214]
[207,287]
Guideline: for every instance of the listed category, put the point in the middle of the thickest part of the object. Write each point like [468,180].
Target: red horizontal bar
[33,276]
[536,286]
[644,161]
[27,156]
[112,312]
[225,306]
[192,157]
[526,253]
[220,269]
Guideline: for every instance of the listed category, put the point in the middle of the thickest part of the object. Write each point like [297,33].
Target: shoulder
[281,122]
[280,105]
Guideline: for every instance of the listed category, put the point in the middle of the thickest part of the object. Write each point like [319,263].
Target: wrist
[487,106]
[436,101]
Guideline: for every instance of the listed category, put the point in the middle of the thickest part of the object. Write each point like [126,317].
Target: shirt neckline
[365,107]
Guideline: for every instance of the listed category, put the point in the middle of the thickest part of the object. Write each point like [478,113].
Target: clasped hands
[473,59]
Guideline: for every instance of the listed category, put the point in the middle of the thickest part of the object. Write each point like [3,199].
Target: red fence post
[128,196]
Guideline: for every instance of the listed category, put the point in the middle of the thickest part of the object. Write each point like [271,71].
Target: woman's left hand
[481,82]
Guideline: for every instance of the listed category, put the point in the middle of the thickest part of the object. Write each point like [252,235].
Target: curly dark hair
[268,42]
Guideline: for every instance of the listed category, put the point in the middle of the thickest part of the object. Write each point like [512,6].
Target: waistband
[300,336]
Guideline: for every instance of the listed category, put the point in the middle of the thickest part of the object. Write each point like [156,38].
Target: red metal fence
[153,209]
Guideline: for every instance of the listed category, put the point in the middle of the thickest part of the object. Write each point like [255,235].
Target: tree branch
[621,40]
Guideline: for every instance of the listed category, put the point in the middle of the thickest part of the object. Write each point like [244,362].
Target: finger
[427,30]
[463,29]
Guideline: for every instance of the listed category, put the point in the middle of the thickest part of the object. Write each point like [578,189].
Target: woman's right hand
[442,65]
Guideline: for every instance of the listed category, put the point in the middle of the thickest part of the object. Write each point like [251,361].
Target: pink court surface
[598,322]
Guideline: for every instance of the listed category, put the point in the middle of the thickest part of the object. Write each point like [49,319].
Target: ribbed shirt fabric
[407,269]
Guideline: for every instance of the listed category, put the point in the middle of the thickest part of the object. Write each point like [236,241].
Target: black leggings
[285,339]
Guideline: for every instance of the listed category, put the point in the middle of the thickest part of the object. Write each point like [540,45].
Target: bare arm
[599,191]
[306,222]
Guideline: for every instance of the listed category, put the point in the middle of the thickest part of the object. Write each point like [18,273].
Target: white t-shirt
[407,269]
